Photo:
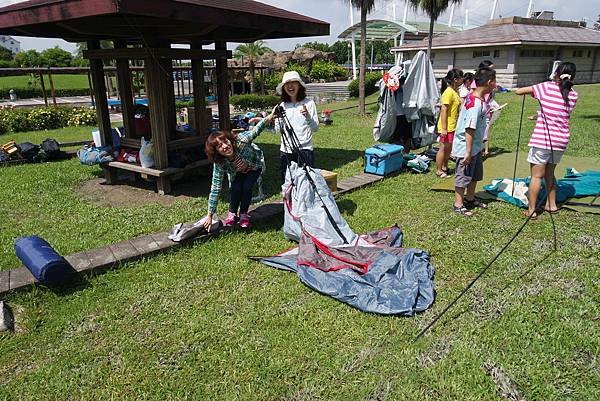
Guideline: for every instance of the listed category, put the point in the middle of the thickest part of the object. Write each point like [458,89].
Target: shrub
[371,79]
[300,69]
[43,118]
[254,102]
[326,70]
[273,80]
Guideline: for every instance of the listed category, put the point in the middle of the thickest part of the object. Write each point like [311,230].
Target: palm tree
[251,52]
[365,6]
[433,8]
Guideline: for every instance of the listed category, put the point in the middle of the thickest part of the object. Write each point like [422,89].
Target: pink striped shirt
[552,126]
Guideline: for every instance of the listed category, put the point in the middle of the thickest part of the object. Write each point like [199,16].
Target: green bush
[43,118]
[254,102]
[273,80]
[300,69]
[29,92]
[371,79]
[326,70]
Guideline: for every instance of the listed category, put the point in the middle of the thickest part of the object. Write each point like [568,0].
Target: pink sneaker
[245,220]
[229,220]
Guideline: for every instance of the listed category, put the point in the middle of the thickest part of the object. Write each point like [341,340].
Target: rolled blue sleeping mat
[44,263]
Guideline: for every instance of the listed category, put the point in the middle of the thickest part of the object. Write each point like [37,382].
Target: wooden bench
[163,176]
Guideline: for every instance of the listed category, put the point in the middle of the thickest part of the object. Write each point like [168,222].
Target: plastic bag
[146,153]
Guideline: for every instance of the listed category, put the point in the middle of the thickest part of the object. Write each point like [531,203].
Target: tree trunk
[362,61]
[252,73]
[431,22]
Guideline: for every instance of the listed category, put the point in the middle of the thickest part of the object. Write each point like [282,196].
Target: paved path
[106,257]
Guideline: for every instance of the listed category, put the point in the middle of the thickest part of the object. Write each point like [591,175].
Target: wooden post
[97,73]
[199,92]
[160,91]
[126,95]
[51,86]
[91,89]
[223,88]
[43,89]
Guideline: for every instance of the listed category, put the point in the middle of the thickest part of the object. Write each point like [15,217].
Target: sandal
[555,211]
[533,215]
[441,174]
[462,211]
[472,204]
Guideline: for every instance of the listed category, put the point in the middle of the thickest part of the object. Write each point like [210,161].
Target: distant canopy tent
[384,30]
[153,26]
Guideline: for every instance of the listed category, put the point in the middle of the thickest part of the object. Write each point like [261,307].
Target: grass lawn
[66,81]
[204,322]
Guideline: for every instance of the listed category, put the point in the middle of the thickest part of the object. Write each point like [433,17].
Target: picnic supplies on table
[383,159]
[44,263]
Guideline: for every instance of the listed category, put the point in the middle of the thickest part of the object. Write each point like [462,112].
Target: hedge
[26,93]
[371,79]
[254,102]
[326,70]
[43,118]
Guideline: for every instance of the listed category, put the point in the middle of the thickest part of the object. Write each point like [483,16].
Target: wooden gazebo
[146,29]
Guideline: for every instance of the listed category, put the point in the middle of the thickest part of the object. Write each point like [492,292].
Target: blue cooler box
[383,159]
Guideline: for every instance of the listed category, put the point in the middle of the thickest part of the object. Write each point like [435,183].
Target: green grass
[66,81]
[205,323]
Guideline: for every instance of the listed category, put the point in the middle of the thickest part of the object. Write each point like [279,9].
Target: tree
[597,24]
[81,46]
[433,8]
[29,58]
[324,47]
[6,54]
[56,57]
[365,6]
[251,52]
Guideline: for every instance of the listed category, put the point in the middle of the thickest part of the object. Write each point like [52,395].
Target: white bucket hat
[290,76]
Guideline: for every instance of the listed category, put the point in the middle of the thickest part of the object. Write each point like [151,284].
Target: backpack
[51,149]
[29,151]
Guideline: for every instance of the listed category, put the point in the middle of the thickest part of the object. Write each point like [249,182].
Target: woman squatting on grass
[550,136]
[240,158]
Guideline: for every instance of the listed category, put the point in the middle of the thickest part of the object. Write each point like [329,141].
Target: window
[577,53]
[481,53]
[536,53]
[589,53]
[496,53]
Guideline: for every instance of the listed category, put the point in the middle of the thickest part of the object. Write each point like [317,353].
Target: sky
[336,12]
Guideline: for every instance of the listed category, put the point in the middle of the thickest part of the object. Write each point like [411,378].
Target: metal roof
[177,21]
[511,31]
[379,29]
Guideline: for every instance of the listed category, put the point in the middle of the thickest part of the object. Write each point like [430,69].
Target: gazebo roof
[177,21]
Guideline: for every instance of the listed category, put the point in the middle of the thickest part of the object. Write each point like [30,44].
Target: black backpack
[29,151]
[51,149]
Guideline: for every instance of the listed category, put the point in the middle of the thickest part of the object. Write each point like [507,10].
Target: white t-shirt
[304,127]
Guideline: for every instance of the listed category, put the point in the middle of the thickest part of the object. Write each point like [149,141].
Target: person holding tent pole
[551,134]
[243,160]
[450,105]
[468,143]
[302,115]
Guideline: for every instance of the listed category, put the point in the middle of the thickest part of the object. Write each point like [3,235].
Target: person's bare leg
[550,188]
[440,158]
[459,196]
[448,147]
[471,191]
[537,173]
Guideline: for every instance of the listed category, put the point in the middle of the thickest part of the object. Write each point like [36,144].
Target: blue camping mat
[44,263]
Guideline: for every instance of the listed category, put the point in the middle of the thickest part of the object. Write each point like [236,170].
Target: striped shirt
[552,126]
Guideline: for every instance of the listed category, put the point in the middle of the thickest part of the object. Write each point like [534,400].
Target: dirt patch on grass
[140,192]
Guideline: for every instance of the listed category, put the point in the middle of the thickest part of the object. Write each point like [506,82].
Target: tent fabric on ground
[573,185]
[374,274]
[370,272]
[421,96]
[44,263]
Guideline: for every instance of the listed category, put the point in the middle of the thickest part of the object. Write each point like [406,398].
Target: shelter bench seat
[163,176]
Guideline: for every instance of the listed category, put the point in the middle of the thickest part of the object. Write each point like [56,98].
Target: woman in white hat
[302,115]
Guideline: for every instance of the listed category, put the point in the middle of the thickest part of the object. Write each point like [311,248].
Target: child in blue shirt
[467,146]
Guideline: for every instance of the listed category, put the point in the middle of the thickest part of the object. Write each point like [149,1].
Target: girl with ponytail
[551,134]
[450,105]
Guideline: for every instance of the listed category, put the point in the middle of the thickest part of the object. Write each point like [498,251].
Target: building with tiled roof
[523,49]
